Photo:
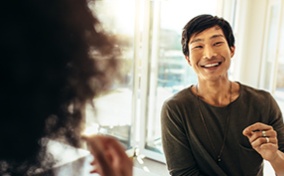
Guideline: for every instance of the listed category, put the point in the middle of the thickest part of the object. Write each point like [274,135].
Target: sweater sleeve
[276,120]
[179,158]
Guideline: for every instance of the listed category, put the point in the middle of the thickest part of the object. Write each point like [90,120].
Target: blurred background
[154,67]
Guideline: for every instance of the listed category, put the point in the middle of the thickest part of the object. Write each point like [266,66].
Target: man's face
[209,54]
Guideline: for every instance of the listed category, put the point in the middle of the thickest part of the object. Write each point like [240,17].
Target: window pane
[271,45]
[112,114]
[273,70]
[279,92]
[169,71]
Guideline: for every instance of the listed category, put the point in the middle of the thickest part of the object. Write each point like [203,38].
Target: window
[113,110]
[279,89]
[154,66]
[168,71]
[272,78]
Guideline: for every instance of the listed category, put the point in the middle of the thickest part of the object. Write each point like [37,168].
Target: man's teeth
[211,65]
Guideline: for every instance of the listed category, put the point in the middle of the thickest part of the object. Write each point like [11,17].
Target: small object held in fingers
[263,133]
[267,139]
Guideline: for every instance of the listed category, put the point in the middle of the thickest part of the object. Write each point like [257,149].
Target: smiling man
[219,127]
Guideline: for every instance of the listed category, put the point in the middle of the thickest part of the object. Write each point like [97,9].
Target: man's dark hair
[55,57]
[201,23]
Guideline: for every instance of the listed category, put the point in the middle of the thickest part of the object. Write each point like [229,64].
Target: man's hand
[263,139]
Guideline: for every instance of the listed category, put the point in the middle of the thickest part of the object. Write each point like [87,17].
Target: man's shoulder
[181,96]
[252,92]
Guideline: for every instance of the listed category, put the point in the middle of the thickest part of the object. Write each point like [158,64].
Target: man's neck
[217,93]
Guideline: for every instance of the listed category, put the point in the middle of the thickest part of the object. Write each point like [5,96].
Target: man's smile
[210,65]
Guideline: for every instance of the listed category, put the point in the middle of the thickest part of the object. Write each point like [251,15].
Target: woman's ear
[188,60]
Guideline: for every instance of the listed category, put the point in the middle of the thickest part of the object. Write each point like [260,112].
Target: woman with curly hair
[55,59]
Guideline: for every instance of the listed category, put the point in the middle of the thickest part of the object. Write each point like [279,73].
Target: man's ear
[188,60]
[232,48]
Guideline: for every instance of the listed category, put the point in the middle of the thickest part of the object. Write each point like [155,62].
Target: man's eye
[197,47]
[218,43]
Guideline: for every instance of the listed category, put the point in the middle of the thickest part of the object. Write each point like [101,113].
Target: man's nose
[208,52]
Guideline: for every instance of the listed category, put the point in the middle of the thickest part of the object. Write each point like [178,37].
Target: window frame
[149,66]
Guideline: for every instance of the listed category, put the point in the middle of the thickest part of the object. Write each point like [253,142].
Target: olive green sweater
[189,149]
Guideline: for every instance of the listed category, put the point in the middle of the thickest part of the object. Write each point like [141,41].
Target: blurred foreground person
[55,58]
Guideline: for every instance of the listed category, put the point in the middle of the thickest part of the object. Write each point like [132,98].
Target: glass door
[168,70]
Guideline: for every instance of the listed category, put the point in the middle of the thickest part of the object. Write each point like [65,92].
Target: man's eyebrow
[216,36]
[212,37]
[196,40]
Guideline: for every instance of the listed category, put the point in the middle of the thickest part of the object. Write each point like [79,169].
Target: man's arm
[278,163]
[263,139]
[179,158]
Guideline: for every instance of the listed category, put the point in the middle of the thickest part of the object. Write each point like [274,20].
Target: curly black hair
[55,58]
